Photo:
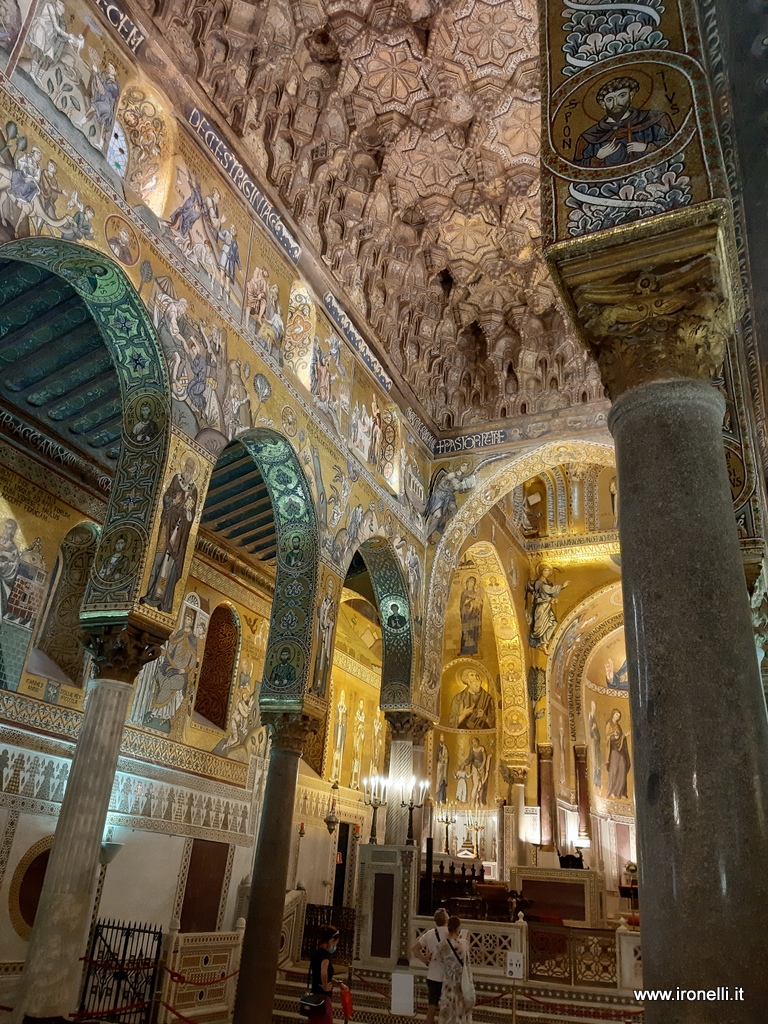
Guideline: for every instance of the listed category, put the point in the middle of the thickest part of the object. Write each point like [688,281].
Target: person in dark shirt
[321,973]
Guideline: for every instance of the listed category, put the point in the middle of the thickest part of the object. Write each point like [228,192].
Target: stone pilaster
[512,850]
[51,980]
[261,941]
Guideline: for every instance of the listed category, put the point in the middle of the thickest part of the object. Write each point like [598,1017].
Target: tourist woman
[321,973]
[451,953]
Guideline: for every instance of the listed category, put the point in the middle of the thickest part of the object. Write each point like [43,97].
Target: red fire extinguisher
[346,1002]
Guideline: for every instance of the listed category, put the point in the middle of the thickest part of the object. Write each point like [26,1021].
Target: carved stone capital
[546,751]
[513,774]
[289,730]
[119,651]
[663,323]
[580,751]
[407,725]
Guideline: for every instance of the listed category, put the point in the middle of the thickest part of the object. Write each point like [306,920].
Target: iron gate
[121,972]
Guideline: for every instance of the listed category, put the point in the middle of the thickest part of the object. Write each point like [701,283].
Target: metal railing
[121,971]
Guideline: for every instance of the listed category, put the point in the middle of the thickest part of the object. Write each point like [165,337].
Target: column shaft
[700,757]
[261,941]
[547,796]
[50,984]
[400,771]
[582,793]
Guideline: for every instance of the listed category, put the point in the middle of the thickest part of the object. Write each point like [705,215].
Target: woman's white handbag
[468,987]
[467,981]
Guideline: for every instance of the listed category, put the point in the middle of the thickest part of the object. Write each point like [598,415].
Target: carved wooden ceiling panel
[403,139]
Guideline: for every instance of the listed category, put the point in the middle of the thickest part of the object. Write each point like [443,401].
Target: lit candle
[365,789]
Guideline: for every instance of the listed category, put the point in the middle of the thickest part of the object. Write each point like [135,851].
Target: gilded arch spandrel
[577,634]
[145,398]
[515,713]
[499,479]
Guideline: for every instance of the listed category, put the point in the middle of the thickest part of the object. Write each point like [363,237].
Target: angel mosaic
[442,498]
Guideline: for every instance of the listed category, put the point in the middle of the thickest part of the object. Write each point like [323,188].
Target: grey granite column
[261,943]
[699,726]
[50,984]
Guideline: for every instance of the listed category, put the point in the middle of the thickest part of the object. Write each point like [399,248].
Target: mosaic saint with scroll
[471,612]
[472,707]
[179,506]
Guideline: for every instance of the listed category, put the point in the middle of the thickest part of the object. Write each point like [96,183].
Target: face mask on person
[332,948]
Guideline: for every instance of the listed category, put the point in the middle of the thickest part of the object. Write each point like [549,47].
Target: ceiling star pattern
[402,136]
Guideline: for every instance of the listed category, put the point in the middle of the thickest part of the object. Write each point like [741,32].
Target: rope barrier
[181,980]
[581,1011]
[170,1009]
[96,1014]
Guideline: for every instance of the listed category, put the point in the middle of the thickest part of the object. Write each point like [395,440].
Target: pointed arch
[394,606]
[494,483]
[516,727]
[287,662]
[137,358]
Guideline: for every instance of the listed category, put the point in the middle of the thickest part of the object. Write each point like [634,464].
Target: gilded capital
[407,725]
[663,323]
[513,774]
[289,730]
[654,300]
[120,650]
[546,751]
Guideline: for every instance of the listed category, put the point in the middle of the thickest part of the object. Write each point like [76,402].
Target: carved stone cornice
[289,730]
[120,650]
[406,725]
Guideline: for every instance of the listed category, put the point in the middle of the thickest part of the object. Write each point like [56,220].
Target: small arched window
[217,671]
[117,151]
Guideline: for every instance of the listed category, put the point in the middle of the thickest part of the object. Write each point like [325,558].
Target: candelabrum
[413,802]
[473,825]
[374,796]
[447,817]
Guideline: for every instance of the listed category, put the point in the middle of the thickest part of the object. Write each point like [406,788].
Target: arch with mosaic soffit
[141,372]
[499,479]
[394,608]
[287,680]
[120,637]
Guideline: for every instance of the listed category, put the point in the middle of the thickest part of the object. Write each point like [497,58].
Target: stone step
[371,1004]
